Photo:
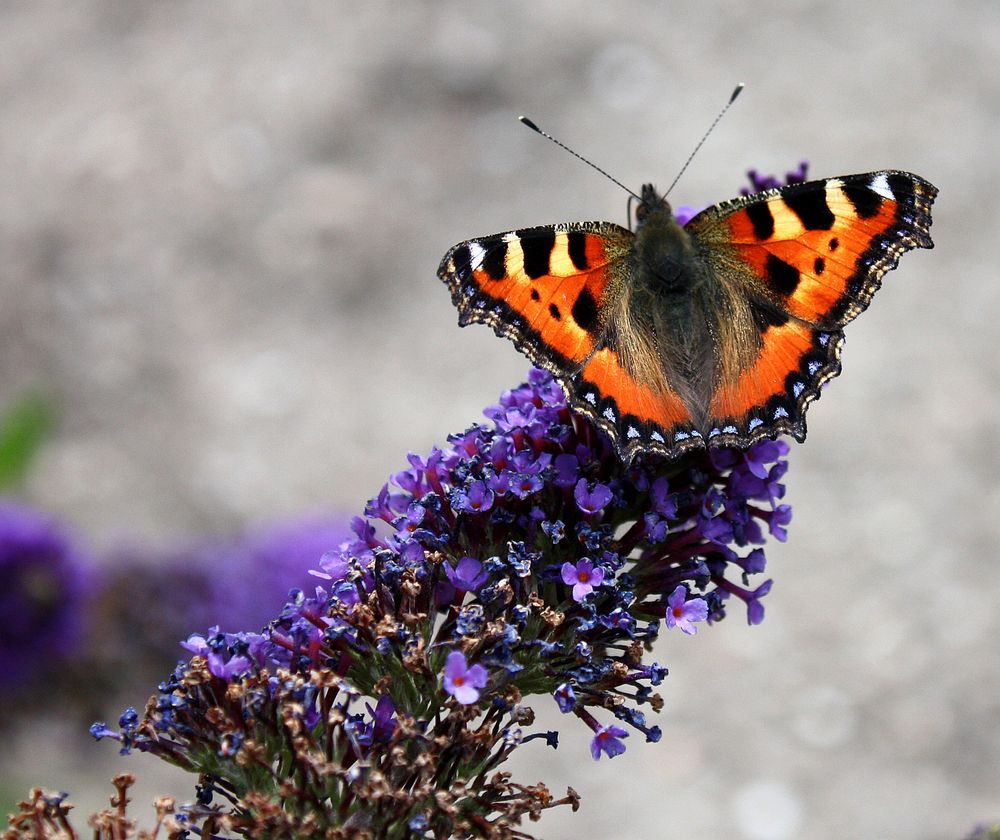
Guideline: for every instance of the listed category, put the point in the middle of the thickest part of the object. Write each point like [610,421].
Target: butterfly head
[650,201]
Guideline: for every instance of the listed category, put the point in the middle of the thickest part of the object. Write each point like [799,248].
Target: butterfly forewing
[545,288]
[818,250]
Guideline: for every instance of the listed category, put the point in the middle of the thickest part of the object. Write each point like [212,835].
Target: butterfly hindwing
[638,413]
[801,262]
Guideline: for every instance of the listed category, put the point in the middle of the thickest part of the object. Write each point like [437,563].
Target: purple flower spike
[468,574]
[682,612]
[461,681]
[583,577]
[593,500]
[607,740]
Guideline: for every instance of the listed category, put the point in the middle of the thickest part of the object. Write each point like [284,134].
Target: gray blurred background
[220,225]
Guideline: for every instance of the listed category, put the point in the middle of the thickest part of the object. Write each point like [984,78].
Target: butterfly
[717,333]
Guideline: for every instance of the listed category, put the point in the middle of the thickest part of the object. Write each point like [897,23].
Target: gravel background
[220,225]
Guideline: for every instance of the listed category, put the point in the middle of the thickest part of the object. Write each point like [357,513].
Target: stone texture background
[219,228]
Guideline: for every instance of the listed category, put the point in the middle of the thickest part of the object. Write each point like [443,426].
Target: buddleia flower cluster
[522,560]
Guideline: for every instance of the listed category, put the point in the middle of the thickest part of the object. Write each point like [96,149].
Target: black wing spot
[784,277]
[537,248]
[576,245]
[554,312]
[761,219]
[585,310]
[495,258]
[535,296]
[834,244]
[820,265]
[461,259]
[865,200]
[811,208]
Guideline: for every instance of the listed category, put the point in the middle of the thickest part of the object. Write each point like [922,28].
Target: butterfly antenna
[715,122]
[547,136]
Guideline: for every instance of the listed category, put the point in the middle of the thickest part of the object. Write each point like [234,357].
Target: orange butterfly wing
[557,292]
[806,259]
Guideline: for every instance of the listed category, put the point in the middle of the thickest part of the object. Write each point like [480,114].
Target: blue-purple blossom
[565,698]
[523,485]
[608,740]
[462,681]
[228,655]
[475,498]
[567,470]
[777,520]
[759,183]
[555,531]
[592,499]
[663,501]
[468,574]
[755,609]
[682,612]
[583,576]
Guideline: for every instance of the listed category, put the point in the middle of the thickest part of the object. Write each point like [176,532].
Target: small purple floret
[594,499]
[608,740]
[583,577]
[476,498]
[462,682]
[682,612]
[468,574]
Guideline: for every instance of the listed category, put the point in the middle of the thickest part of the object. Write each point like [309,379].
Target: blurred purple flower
[46,585]
[155,598]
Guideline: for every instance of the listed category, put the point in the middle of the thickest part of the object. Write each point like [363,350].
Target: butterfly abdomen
[669,279]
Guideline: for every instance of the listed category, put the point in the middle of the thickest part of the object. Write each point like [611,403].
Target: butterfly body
[719,332]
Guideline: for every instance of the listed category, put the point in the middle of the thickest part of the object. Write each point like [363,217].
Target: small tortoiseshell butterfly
[717,333]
